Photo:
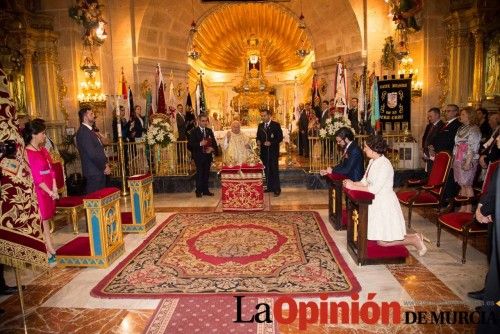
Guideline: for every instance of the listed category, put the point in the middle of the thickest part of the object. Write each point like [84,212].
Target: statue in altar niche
[492,86]
[237,148]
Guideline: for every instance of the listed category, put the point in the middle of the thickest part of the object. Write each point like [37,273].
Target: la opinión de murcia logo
[286,311]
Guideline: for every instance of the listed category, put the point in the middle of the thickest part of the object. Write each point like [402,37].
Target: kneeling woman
[386,223]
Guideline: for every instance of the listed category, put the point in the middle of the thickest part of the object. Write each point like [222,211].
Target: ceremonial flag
[375,104]
[296,114]
[189,102]
[201,106]
[149,107]
[125,96]
[171,104]
[21,237]
[131,105]
[160,93]
[316,98]
[340,100]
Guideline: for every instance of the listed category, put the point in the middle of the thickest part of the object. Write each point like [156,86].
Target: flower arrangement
[160,133]
[332,125]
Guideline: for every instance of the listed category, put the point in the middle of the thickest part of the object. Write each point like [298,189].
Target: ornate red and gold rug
[262,253]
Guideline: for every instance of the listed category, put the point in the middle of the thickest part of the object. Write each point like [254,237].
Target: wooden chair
[431,193]
[464,222]
[70,205]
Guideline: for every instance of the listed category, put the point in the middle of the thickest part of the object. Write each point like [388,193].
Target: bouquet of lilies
[332,125]
[160,133]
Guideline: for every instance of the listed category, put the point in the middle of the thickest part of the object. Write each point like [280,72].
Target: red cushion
[127,218]
[457,220]
[59,174]
[79,246]
[374,251]
[359,196]
[104,192]
[336,176]
[69,201]
[425,198]
[139,177]
[230,170]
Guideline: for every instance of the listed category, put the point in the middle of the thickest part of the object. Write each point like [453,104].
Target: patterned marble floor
[59,301]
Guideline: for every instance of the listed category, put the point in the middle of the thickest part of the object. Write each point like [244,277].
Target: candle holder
[121,146]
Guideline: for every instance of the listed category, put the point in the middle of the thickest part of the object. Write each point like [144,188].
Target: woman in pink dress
[43,176]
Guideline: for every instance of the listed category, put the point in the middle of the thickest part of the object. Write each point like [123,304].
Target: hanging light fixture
[90,87]
[302,51]
[193,53]
[302,23]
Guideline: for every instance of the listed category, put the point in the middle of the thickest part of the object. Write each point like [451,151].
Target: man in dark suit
[487,213]
[351,163]
[352,113]
[431,131]
[444,141]
[325,114]
[202,145]
[269,136]
[303,125]
[92,156]
[180,118]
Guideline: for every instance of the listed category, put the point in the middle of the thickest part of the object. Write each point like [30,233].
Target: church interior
[152,254]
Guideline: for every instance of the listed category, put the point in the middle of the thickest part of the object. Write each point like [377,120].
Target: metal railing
[324,153]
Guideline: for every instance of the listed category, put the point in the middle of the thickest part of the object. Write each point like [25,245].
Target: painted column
[477,88]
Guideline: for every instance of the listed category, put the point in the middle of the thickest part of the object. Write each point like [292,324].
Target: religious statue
[492,87]
[236,146]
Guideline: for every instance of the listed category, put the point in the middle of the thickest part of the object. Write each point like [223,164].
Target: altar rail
[324,153]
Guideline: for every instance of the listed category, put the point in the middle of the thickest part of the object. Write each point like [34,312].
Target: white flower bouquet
[160,133]
[334,124]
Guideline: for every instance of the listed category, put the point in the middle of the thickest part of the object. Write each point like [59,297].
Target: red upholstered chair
[431,193]
[464,222]
[71,205]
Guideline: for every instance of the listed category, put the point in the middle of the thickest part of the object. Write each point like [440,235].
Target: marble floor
[59,301]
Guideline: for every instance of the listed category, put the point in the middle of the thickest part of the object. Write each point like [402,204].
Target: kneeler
[142,218]
[362,250]
[104,242]
[336,214]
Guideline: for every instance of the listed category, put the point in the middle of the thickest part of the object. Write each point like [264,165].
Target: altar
[242,188]
[251,132]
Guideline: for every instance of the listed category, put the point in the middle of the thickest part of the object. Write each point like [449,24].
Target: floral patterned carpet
[262,253]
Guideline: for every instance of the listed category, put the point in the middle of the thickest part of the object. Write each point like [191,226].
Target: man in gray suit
[92,156]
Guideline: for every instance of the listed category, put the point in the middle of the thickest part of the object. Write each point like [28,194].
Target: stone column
[460,67]
[29,81]
[477,88]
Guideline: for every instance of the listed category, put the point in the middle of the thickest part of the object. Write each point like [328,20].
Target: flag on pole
[201,106]
[189,102]
[131,105]
[375,104]
[171,105]
[340,100]
[125,96]
[316,98]
[149,107]
[160,93]
[296,110]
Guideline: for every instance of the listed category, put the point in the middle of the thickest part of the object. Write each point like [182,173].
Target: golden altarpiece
[254,92]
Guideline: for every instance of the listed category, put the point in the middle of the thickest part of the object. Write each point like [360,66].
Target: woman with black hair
[43,176]
[386,223]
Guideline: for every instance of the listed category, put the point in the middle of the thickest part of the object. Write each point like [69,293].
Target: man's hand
[267,143]
[209,150]
[107,170]
[203,142]
[482,161]
[481,218]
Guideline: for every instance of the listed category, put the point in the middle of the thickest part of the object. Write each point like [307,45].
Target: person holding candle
[93,158]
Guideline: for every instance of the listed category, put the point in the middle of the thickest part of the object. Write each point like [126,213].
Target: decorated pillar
[477,88]
[28,79]
[460,66]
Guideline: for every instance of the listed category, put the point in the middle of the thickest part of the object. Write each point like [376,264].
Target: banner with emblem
[395,100]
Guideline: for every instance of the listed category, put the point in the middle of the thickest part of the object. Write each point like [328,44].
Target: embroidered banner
[395,100]
[21,238]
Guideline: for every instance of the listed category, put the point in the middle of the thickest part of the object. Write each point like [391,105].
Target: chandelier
[90,87]
[193,53]
[406,69]
[302,22]
[302,52]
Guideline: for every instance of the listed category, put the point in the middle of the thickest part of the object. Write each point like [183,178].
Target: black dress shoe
[268,191]
[198,195]
[277,193]
[208,194]
[8,290]
[476,294]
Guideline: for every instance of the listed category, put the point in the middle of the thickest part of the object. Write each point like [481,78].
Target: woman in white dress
[386,223]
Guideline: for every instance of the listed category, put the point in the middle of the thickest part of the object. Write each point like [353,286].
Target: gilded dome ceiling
[223,36]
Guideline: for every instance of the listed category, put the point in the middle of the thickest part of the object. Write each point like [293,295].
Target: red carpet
[260,253]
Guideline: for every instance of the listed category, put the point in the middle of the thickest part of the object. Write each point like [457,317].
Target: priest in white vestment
[236,146]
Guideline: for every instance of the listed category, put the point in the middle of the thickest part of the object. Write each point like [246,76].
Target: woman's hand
[348,184]
[467,165]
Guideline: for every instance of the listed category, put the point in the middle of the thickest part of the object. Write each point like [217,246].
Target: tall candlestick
[118,116]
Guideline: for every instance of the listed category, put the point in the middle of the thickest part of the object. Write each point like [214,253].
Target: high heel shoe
[423,249]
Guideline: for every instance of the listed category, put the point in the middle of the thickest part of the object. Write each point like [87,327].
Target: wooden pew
[104,242]
[365,251]
[335,200]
